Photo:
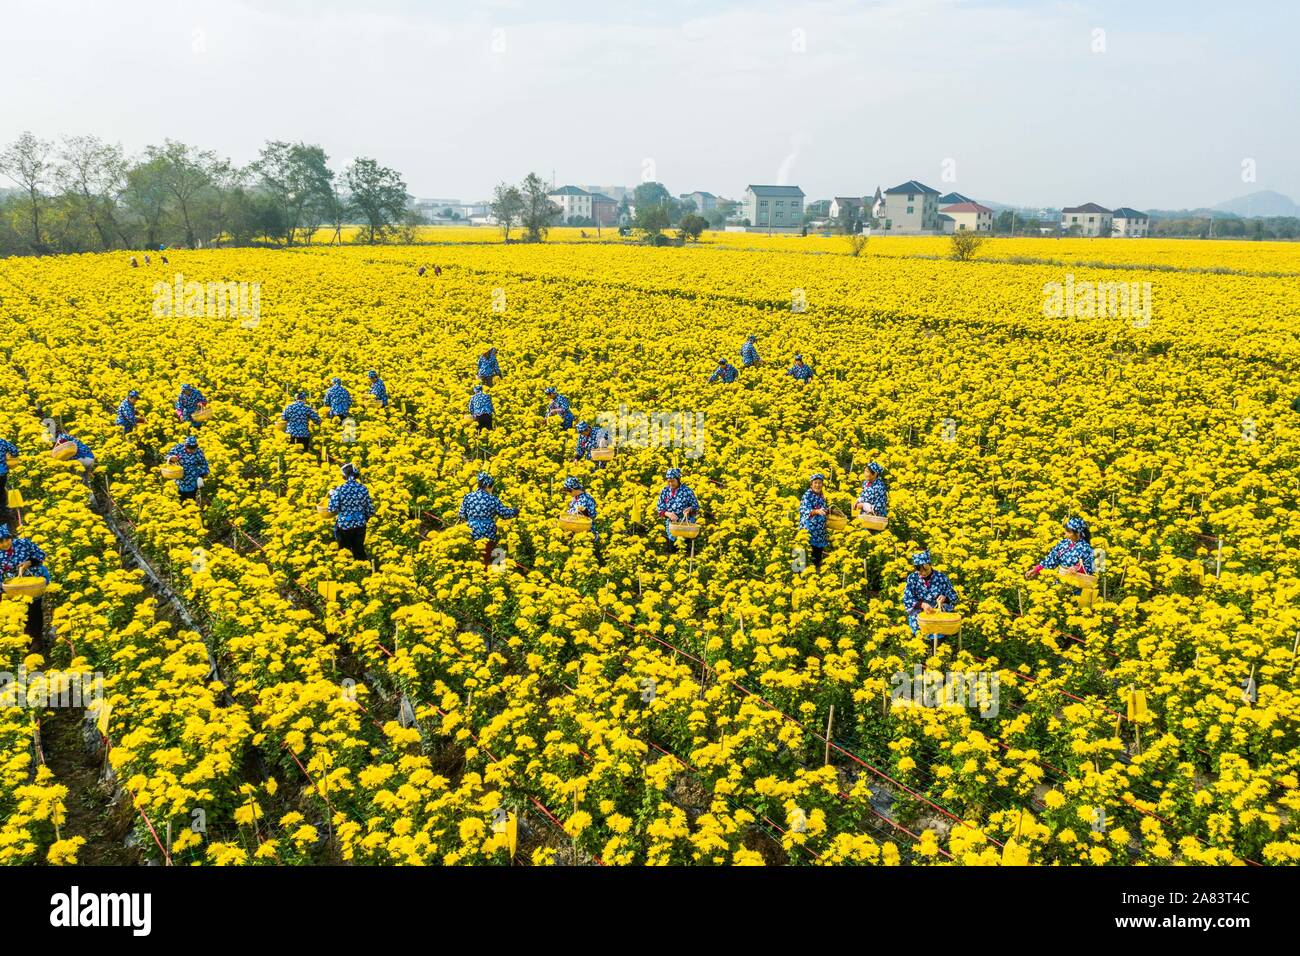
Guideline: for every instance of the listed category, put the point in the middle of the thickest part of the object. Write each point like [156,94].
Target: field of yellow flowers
[727,706]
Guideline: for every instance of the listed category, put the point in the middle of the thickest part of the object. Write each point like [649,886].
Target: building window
[909,210]
[762,204]
[780,214]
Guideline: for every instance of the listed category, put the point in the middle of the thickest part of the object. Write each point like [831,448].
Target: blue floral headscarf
[875,468]
[1077,525]
[817,477]
[572,484]
[484,480]
[583,427]
[672,473]
[921,558]
[191,441]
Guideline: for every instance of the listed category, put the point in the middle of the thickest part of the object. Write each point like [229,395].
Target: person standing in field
[749,353]
[194,467]
[677,502]
[188,402]
[489,368]
[559,406]
[338,398]
[813,510]
[7,450]
[873,499]
[582,503]
[377,388]
[480,406]
[20,557]
[799,371]
[128,416]
[353,507]
[480,509]
[298,417]
[926,590]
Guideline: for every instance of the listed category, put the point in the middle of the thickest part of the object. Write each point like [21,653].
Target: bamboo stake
[830,720]
[1218,559]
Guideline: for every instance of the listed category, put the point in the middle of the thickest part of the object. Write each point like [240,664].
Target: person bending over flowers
[1073,552]
[480,509]
[677,502]
[926,590]
[19,557]
[194,467]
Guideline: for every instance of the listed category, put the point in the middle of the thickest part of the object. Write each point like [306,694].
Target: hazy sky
[1028,101]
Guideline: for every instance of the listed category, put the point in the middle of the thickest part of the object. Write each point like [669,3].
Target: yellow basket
[30,585]
[602,454]
[16,499]
[1087,597]
[172,472]
[836,522]
[939,623]
[323,509]
[551,419]
[467,418]
[65,452]
[874,522]
[574,523]
[684,529]
[1077,578]
[201,414]
[280,425]
[11,460]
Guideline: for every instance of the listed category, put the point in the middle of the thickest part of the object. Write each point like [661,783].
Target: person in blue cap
[725,372]
[749,353]
[337,398]
[21,557]
[128,416]
[353,508]
[488,366]
[813,510]
[589,438]
[559,406]
[7,450]
[480,406]
[480,509]
[188,402]
[677,502]
[799,371]
[873,499]
[926,590]
[298,417]
[194,467]
[1073,552]
[582,503]
[377,388]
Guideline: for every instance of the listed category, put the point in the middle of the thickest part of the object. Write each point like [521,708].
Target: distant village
[908,209]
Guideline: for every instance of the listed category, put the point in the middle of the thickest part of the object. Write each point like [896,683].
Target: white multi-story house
[1087,220]
[911,207]
[774,208]
[704,202]
[1130,223]
[841,203]
[572,202]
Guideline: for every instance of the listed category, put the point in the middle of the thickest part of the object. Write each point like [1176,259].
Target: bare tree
[966,243]
[92,175]
[507,207]
[186,173]
[26,161]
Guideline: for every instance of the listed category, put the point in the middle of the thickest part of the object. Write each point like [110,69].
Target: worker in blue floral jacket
[353,508]
[377,388]
[338,398]
[298,417]
[589,438]
[873,499]
[480,406]
[188,402]
[84,456]
[677,502]
[7,450]
[489,367]
[480,510]
[21,557]
[749,353]
[813,510]
[799,370]
[926,590]
[194,467]
[725,372]
[559,406]
[128,416]
[582,503]
[1073,552]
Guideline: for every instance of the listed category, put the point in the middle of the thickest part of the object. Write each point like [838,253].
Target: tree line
[83,194]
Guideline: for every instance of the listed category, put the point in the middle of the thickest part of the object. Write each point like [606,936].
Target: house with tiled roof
[911,208]
[1089,219]
[774,208]
[1130,223]
[967,216]
[574,203]
[840,204]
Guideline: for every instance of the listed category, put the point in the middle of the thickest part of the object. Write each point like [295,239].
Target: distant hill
[1264,203]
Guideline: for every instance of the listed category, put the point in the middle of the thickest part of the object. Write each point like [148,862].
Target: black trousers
[484,421]
[5,513]
[36,624]
[304,440]
[818,554]
[354,540]
[190,496]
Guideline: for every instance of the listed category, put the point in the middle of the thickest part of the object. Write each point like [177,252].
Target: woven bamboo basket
[836,522]
[684,529]
[943,623]
[873,522]
[172,472]
[574,523]
[30,585]
[602,454]
[1077,578]
[202,414]
[65,452]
